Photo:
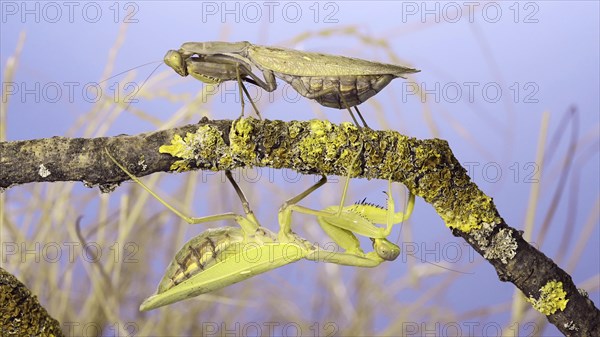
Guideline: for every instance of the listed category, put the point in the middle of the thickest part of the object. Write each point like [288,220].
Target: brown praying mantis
[333,81]
[223,256]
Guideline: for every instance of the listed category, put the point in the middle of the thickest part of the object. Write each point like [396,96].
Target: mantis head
[386,249]
[174,59]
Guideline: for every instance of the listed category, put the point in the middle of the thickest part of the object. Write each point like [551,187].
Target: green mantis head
[174,59]
[387,250]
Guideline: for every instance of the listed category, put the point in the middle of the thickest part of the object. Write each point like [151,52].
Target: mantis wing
[300,63]
[236,263]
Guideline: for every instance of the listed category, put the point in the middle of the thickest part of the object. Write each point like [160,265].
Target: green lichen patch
[481,236]
[21,312]
[552,298]
[204,145]
[295,128]
[503,246]
[179,149]
[571,326]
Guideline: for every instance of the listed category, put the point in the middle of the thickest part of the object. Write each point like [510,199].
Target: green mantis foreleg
[359,218]
[342,223]
[215,69]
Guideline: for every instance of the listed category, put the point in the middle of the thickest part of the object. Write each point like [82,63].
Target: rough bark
[20,312]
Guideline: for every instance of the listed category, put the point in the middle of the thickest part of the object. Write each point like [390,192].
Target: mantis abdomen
[200,253]
[339,92]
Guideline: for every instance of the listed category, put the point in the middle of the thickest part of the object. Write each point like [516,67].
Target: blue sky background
[544,57]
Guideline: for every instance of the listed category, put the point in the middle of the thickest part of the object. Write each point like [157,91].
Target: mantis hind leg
[246,225]
[352,114]
[360,116]
[354,118]
[347,183]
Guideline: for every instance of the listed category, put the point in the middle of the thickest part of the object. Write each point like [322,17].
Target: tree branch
[427,167]
[20,312]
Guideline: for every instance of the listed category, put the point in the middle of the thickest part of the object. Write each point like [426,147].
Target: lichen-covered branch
[20,312]
[427,167]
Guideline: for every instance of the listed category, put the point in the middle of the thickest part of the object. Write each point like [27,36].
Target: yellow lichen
[206,144]
[178,149]
[552,298]
[327,145]
[312,145]
[471,224]
[294,129]
[472,212]
[241,143]
[446,185]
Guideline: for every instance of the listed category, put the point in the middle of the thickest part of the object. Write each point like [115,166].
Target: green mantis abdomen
[339,92]
[209,248]
[223,256]
[200,253]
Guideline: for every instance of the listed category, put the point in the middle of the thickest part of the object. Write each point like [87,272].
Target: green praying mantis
[333,81]
[223,256]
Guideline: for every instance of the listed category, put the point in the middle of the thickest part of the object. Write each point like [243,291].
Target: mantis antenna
[143,83]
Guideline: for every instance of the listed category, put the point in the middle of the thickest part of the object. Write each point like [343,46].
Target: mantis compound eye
[386,249]
[174,59]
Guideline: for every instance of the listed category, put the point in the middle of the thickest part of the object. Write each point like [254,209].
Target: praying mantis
[223,256]
[333,81]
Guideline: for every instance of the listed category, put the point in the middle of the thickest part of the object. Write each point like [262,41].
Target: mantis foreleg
[215,69]
[342,223]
